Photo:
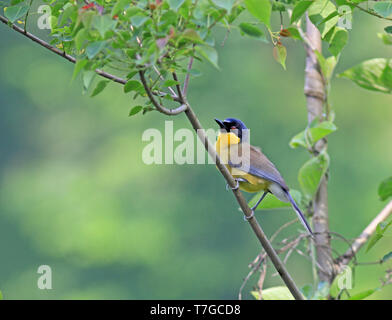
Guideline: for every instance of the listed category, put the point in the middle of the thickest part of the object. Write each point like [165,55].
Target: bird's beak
[220,122]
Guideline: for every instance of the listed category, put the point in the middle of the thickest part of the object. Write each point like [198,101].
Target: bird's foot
[247,218]
[236,187]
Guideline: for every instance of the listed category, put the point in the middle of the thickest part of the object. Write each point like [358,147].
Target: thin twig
[344,259]
[157,105]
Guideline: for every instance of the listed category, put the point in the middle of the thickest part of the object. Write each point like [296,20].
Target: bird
[255,172]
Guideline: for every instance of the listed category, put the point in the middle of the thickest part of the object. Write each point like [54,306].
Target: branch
[368,11]
[315,97]
[344,259]
[157,105]
[193,119]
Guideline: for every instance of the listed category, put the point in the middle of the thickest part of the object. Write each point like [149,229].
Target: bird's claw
[236,186]
[246,218]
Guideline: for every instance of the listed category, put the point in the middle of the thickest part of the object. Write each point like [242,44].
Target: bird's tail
[299,213]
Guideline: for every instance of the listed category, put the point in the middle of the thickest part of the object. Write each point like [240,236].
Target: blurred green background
[75,194]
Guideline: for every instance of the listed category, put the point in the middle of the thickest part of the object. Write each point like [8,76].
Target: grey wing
[262,167]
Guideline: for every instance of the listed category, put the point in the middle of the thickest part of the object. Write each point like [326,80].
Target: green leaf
[274,293]
[209,54]
[94,48]
[383,8]
[132,85]
[261,9]
[16,12]
[224,4]
[87,77]
[192,35]
[374,74]
[294,33]
[175,4]
[135,110]
[1,296]
[380,230]
[388,29]
[80,38]
[385,189]
[280,54]
[138,20]
[103,24]
[362,295]
[338,41]
[310,174]
[252,31]
[317,131]
[386,38]
[324,16]
[169,83]
[79,65]
[272,202]
[327,65]
[99,88]
[300,9]
[119,6]
[386,257]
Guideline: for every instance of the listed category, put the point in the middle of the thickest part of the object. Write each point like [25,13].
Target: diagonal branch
[193,119]
[157,105]
[344,259]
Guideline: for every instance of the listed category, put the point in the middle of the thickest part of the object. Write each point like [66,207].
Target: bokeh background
[76,195]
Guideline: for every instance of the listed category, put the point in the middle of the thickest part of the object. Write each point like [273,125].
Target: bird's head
[232,125]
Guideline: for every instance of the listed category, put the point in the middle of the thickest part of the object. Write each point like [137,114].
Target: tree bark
[315,98]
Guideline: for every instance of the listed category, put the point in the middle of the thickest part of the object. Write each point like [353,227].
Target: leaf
[280,54]
[252,31]
[362,295]
[16,12]
[94,48]
[311,172]
[374,74]
[380,230]
[1,296]
[169,83]
[274,293]
[386,257]
[385,189]
[79,65]
[294,33]
[132,85]
[383,8]
[300,9]
[224,4]
[80,38]
[100,87]
[192,35]
[324,16]
[119,6]
[135,110]
[87,78]
[314,133]
[103,24]
[261,9]
[175,4]
[272,202]
[209,54]
[138,20]
[338,41]
[327,65]
[388,29]
[386,38]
